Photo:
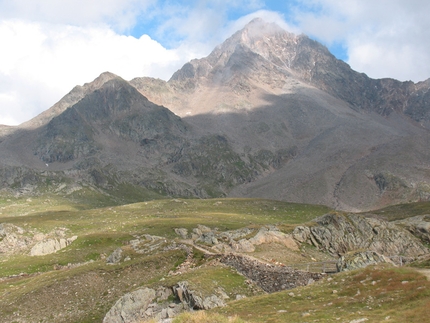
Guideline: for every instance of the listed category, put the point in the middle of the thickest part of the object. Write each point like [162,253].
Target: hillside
[267,114]
[76,260]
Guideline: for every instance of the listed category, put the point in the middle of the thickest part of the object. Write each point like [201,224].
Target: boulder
[182,232]
[114,257]
[132,307]
[207,238]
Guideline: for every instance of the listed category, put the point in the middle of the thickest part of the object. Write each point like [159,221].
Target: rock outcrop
[14,239]
[194,300]
[147,303]
[131,307]
[273,235]
[419,226]
[46,247]
[340,233]
[115,257]
[239,240]
[360,259]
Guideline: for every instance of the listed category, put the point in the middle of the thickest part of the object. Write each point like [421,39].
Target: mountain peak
[257,44]
[258,28]
[71,98]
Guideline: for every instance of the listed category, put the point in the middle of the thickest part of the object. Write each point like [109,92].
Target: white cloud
[384,38]
[42,62]
[118,13]
[49,46]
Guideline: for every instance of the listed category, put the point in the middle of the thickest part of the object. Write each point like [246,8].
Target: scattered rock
[239,297]
[359,320]
[114,257]
[182,232]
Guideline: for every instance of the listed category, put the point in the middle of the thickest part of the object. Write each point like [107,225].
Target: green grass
[376,293]
[101,230]
[402,211]
[103,223]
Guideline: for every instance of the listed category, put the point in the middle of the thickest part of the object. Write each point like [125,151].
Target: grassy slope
[85,293]
[377,294]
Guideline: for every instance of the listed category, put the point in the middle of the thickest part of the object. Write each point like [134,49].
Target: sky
[49,46]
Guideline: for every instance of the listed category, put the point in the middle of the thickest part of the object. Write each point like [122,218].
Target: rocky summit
[267,114]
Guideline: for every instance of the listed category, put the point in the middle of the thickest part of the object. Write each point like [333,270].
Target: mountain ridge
[267,114]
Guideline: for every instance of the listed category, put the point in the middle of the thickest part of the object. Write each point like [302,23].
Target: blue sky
[49,46]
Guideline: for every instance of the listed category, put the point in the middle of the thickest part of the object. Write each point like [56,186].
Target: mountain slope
[270,91]
[267,114]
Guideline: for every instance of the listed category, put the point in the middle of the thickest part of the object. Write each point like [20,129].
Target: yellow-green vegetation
[101,230]
[81,294]
[76,285]
[378,294]
[402,211]
[209,278]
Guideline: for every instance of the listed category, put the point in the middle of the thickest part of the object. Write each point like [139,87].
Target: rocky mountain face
[267,114]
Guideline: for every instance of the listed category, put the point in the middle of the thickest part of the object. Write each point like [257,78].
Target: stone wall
[269,277]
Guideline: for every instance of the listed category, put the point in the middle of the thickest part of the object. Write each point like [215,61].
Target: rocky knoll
[14,240]
[269,277]
[143,304]
[240,240]
[147,303]
[342,233]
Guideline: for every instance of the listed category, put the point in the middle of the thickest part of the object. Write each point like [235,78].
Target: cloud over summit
[49,46]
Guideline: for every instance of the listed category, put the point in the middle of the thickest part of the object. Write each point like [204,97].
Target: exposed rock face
[339,234]
[418,226]
[269,277]
[146,303]
[12,239]
[49,246]
[194,300]
[273,235]
[131,307]
[355,260]
[235,241]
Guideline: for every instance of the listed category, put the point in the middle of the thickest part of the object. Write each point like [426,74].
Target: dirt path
[425,272]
